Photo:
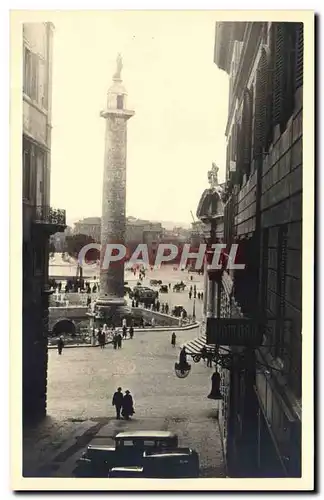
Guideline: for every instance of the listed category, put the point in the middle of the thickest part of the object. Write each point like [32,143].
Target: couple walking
[123,403]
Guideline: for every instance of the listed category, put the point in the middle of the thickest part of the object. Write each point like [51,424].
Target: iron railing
[45,214]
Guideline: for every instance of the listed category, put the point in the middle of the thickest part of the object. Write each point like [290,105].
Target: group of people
[123,404]
[193,292]
[102,334]
[75,286]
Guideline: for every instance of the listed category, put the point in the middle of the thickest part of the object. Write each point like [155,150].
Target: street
[82,381]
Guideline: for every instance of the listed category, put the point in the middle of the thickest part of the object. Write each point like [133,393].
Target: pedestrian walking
[153,322]
[115,341]
[158,305]
[117,401]
[209,359]
[202,295]
[162,308]
[195,294]
[131,332]
[60,345]
[198,295]
[190,295]
[166,308]
[142,322]
[124,331]
[119,341]
[169,286]
[128,406]
[173,339]
[183,357]
[204,353]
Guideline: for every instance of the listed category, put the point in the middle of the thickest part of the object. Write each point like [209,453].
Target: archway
[64,326]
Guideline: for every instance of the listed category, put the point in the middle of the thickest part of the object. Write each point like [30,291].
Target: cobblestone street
[81,384]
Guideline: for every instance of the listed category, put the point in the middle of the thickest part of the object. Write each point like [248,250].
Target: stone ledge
[137,330]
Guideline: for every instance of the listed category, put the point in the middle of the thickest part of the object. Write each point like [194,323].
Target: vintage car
[138,454]
[155,282]
[179,311]
[178,463]
[144,294]
[164,289]
[179,287]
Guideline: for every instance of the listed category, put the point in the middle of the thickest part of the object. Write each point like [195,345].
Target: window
[126,442]
[40,164]
[31,74]
[288,69]
[120,102]
[27,71]
[26,169]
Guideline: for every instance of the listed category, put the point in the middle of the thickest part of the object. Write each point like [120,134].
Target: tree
[74,244]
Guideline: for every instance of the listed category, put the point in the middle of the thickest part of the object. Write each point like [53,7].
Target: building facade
[263,215]
[91,226]
[39,219]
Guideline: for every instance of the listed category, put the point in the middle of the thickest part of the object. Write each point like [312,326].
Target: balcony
[51,219]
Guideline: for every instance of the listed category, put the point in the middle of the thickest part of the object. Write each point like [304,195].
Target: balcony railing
[45,214]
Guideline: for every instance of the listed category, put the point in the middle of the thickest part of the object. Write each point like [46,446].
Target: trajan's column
[113,223]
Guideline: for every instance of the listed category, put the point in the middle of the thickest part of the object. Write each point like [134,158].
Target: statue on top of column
[119,67]
[213,176]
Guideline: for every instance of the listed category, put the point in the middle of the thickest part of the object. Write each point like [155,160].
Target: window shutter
[263,77]
[227,159]
[247,132]
[299,64]
[260,108]
[269,90]
[239,156]
[278,75]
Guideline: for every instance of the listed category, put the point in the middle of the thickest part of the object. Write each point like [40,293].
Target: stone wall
[160,319]
[281,222]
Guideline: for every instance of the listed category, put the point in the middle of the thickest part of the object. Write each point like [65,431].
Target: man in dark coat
[117,401]
[60,345]
[131,332]
[119,341]
[173,339]
[124,332]
[128,406]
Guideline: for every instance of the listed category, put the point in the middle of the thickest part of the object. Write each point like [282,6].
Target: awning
[195,346]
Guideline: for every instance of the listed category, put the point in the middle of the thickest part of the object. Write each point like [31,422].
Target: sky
[179,96]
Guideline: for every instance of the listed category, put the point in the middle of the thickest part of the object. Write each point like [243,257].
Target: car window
[126,442]
[149,443]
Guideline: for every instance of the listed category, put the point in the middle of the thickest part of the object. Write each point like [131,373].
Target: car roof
[146,434]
